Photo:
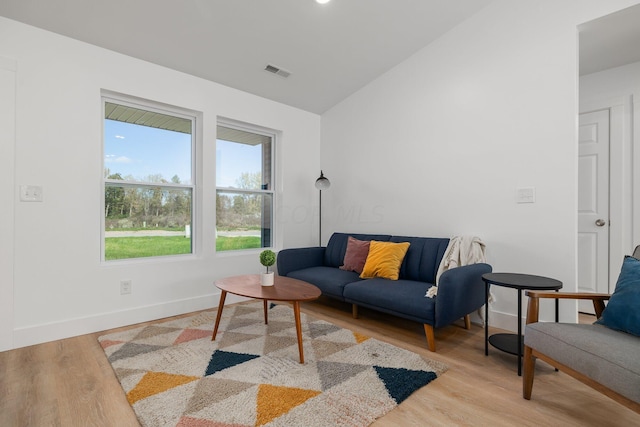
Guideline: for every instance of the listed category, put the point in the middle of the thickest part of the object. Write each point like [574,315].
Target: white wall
[7,137]
[61,288]
[619,90]
[438,145]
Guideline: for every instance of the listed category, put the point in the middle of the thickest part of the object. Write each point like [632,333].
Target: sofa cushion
[607,356]
[337,246]
[384,260]
[623,310]
[356,255]
[423,257]
[330,280]
[404,298]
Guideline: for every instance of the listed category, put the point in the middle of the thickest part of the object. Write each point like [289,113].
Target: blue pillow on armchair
[623,310]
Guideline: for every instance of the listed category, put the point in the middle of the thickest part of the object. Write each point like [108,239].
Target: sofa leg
[467,321]
[431,338]
[528,372]
[354,311]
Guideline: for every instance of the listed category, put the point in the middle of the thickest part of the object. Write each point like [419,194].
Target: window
[148,180]
[244,188]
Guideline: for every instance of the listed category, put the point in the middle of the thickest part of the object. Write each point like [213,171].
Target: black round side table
[512,343]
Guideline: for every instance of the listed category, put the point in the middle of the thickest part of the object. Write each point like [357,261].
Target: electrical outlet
[30,193]
[125,287]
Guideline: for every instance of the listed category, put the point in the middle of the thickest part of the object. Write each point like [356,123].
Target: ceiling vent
[277,71]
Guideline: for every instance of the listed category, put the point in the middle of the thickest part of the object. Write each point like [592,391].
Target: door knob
[600,222]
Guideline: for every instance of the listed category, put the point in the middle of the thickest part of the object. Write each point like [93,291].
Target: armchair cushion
[603,355]
[622,313]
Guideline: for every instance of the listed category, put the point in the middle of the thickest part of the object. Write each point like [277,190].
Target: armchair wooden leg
[431,338]
[467,322]
[527,375]
[354,311]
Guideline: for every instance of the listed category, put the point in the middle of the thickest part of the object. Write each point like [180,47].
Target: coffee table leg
[266,317]
[223,295]
[296,313]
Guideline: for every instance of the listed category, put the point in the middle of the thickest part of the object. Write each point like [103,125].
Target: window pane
[243,220]
[243,159]
[148,187]
[146,221]
[144,146]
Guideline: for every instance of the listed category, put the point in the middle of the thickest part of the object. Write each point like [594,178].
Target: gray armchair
[603,358]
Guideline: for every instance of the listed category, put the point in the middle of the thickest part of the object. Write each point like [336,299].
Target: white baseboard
[506,321]
[497,319]
[42,333]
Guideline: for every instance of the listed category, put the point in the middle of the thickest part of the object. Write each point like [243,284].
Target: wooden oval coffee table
[283,289]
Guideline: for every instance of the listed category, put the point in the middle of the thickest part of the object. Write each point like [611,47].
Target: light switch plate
[526,195]
[30,193]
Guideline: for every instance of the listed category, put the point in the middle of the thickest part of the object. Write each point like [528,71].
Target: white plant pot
[267,279]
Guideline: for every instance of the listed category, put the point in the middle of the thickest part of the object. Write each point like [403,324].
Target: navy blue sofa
[460,291]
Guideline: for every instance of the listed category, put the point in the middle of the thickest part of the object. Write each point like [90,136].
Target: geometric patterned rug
[174,375]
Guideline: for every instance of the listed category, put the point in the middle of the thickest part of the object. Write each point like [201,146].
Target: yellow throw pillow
[384,260]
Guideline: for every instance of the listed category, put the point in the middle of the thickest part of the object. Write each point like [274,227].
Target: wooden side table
[512,343]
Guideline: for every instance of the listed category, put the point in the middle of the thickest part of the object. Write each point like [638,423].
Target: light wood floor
[70,383]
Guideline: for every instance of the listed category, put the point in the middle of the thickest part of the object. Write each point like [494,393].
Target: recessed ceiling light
[322,1]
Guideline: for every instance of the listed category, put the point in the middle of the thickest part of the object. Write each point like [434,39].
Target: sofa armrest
[533,307]
[460,292]
[298,258]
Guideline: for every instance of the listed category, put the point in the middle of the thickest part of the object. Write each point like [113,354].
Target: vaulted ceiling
[331,50]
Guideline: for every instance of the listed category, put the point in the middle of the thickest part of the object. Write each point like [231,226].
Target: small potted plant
[267,258]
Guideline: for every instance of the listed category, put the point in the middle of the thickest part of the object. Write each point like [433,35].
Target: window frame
[274,136]
[156,107]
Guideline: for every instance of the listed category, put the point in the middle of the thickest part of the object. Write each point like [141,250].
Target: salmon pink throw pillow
[356,255]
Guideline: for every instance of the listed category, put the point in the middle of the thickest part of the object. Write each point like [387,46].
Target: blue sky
[232,159]
[141,151]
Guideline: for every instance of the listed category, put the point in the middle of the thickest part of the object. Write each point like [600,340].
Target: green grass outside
[150,246]
[236,243]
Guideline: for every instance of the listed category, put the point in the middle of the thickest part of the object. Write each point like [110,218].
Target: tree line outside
[146,206]
[169,208]
[240,211]
[131,208]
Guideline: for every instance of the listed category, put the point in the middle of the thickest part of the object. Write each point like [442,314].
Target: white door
[593,205]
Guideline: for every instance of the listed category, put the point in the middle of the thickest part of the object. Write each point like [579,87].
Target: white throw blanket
[462,250]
